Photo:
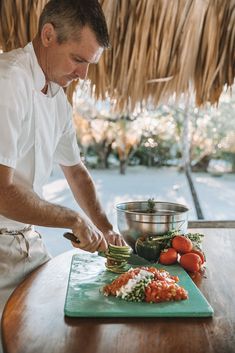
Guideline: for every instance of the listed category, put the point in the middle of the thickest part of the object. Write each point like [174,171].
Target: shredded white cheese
[130,285]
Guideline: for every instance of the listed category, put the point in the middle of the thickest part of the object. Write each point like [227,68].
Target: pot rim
[175,212]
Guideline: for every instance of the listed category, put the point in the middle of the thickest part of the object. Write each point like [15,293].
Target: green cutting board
[84,296]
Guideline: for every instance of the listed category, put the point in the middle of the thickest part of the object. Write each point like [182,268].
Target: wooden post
[186,161]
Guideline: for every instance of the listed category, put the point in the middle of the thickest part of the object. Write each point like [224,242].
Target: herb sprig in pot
[151,206]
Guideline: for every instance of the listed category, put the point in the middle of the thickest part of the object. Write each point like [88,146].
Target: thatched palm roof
[19,20]
[159,47]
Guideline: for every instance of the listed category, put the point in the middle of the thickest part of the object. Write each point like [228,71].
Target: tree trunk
[123,166]
[186,141]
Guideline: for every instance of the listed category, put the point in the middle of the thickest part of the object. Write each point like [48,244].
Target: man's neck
[45,89]
[38,49]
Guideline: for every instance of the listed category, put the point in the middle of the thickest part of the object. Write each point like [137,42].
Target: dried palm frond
[164,47]
[19,20]
[159,48]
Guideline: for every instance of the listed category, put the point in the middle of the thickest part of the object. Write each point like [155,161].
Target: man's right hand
[22,204]
[90,237]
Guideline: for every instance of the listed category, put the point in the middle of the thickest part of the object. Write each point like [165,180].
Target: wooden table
[34,322]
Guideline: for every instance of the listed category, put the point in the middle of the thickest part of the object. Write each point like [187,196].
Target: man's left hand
[114,238]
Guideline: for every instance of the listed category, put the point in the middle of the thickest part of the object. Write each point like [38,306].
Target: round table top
[34,322]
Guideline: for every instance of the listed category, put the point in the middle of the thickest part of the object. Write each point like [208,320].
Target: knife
[134,259]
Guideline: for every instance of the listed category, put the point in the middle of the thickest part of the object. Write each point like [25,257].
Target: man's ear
[48,34]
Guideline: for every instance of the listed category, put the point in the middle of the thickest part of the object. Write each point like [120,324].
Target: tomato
[161,291]
[168,257]
[182,244]
[191,262]
[200,253]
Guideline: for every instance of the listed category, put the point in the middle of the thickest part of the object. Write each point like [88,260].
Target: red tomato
[168,257]
[191,262]
[182,244]
[200,253]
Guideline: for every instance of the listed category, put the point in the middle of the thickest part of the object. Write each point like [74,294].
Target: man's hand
[114,238]
[90,238]
[82,185]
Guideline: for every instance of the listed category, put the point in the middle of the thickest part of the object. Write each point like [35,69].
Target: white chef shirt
[36,130]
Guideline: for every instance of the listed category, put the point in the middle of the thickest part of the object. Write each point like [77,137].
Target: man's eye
[78,60]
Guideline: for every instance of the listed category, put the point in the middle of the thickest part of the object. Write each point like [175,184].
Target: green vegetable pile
[117,258]
[138,292]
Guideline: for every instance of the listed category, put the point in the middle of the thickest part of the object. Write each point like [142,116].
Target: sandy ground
[216,195]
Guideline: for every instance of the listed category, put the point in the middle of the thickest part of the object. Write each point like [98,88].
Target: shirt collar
[38,74]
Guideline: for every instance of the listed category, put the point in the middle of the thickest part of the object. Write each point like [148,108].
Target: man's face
[70,60]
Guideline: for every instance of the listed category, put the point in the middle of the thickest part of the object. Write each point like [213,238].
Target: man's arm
[21,204]
[86,196]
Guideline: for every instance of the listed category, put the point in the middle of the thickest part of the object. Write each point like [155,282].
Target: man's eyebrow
[81,58]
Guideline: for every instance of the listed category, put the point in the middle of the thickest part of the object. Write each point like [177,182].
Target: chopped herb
[151,206]
[196,239]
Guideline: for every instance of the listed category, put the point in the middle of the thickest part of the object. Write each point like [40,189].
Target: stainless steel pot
[135,221]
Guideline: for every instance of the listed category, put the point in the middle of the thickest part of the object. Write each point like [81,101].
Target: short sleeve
[12,113]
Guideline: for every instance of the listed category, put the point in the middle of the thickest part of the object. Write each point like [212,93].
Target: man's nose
[82,70]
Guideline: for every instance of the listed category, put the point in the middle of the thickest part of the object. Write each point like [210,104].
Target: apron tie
[20,237]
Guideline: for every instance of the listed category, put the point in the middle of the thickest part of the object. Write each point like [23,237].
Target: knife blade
[134,259]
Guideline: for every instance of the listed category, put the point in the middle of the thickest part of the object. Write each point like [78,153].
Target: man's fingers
[75,245]
[91,246]
[96,244]
[86,247]
[103,246]
[93,240]
[117,239]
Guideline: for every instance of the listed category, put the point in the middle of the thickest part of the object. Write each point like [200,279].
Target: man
[36,130]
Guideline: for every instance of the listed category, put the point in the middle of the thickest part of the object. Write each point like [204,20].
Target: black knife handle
[71,237]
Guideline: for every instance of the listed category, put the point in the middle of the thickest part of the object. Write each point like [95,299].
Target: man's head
[73,34]
[69,16]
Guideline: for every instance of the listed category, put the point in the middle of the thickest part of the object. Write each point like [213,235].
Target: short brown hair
[68,16]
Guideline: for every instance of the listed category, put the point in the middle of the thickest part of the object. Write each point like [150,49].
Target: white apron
[20,253]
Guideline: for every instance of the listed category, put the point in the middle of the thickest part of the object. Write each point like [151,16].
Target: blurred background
[155,118]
